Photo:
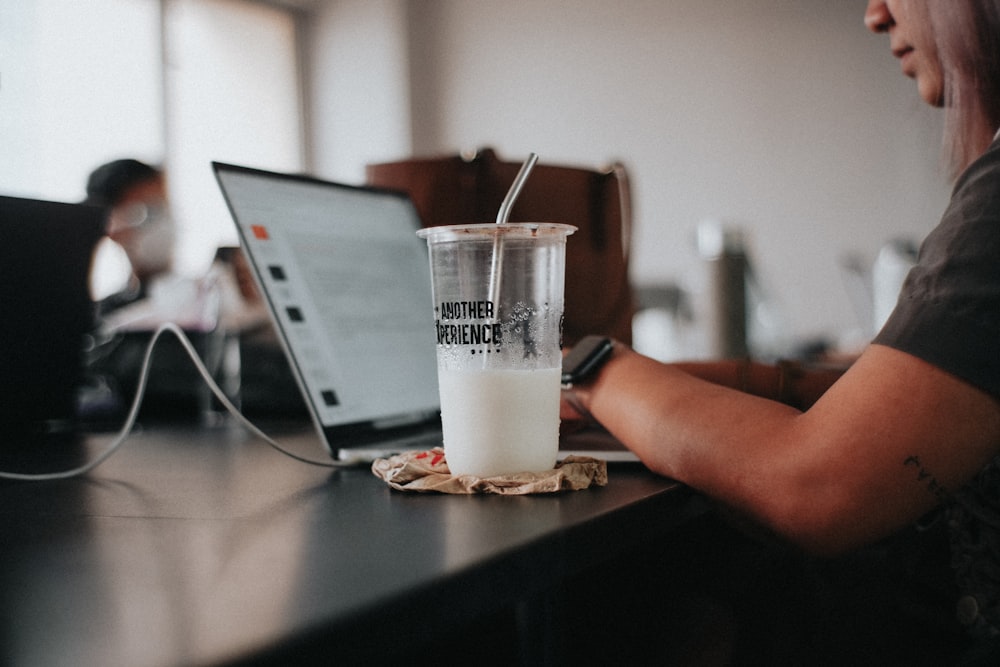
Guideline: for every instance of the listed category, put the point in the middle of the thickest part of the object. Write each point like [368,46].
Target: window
[173,82]
[233,95]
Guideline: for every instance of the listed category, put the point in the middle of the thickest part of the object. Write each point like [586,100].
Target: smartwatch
[585,359]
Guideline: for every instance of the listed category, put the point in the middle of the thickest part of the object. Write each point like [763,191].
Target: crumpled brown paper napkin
[428,472]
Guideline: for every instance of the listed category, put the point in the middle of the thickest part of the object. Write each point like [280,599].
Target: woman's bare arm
[878,449]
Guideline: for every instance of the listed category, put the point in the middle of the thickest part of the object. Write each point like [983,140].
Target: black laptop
[45,258]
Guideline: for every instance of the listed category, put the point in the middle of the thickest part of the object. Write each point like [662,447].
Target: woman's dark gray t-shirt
[948,314]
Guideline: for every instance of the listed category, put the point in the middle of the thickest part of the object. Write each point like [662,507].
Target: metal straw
[515,188]
[504,213]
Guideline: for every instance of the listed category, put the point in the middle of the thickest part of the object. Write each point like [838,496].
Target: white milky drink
[498,311]
[500,421]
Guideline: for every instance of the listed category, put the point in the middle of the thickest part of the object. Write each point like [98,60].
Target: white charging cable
[126,429]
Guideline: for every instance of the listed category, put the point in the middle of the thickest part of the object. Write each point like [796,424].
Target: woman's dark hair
[110,181]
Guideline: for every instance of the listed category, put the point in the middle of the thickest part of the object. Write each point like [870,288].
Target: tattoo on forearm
[925,477]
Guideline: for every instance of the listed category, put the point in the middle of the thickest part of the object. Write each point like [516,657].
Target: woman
[914,424]
[135,197]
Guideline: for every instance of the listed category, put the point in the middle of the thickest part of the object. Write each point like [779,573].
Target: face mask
[147,233]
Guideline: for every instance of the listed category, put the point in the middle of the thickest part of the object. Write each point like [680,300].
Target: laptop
[347,284]
[45,258]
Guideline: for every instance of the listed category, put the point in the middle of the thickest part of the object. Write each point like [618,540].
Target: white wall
[783,116]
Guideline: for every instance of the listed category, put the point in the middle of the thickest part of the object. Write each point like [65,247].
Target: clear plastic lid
[492,230]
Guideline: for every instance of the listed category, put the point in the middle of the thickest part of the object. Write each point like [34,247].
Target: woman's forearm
[663,411]
[736,447]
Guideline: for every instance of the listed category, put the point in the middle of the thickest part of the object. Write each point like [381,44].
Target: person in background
[831,463]
[214,310]
[134,194]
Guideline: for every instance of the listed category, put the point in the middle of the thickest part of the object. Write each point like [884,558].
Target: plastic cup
[498,312]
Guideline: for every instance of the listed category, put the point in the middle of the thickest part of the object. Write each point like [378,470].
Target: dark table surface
[202,545]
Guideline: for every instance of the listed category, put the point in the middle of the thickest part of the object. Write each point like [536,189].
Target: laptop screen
[348,286]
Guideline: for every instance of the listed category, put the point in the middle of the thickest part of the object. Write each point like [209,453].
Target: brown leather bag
[460,190]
